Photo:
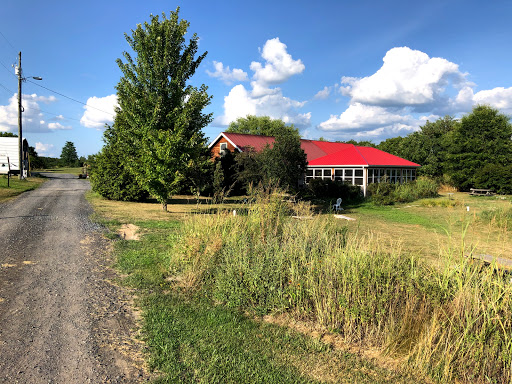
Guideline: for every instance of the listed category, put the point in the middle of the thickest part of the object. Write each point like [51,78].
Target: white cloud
[240,102]
[279,65]
[32,115]
[99,111]
[368,117]
[44,149]
[227,75]
[323,94]
[409,89]
[407,78]
[263,100]
[500,98]
[58,126]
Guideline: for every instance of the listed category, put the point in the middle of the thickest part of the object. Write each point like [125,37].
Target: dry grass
[179,207]
[439,228]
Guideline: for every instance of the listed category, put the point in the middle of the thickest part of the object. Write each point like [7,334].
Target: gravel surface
[62,319]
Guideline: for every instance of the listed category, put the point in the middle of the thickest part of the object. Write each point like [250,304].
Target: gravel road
[62,320]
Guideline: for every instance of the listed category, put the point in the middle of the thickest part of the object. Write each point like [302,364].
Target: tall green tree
[8,134]
[261,125]
[68,156]
[482,138]
[160,116]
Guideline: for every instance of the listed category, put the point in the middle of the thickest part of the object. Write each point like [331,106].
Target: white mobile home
[9,150]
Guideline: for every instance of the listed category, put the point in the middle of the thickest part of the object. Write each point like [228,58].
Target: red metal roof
[375,156]
[242,140]
[356,155]
[326,153]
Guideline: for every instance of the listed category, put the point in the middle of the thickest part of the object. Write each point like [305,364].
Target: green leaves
[160,118]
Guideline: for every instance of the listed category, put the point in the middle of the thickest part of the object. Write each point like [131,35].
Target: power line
[7,69]
[55,114]
[7,89]
[70,98]
[8,42]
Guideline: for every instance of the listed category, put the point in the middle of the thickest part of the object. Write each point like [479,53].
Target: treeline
[473,152]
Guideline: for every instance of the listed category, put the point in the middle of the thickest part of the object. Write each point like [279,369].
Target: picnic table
[481,192]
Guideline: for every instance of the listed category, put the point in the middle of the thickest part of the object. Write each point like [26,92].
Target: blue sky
[337,69]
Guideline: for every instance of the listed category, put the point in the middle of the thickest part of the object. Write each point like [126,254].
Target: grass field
[17,186]
[71,170]
[180,281]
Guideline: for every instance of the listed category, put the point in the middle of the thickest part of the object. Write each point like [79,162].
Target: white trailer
[9,150]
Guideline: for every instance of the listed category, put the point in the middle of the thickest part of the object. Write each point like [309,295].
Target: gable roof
[323,153]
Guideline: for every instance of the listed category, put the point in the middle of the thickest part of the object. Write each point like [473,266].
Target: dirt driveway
[61,318]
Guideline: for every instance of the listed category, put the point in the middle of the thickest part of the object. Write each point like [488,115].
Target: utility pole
[20,110]
[21,79]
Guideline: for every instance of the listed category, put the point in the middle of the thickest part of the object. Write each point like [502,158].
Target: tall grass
[450,323]
[500,217]
[386,193]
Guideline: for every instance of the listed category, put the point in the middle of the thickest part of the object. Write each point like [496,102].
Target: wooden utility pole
[20,110]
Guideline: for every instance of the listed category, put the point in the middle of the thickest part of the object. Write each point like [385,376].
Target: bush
[328,189]
[112,180]
[387,194]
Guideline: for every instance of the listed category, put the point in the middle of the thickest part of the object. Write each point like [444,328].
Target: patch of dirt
[335,341]
[6,265]
[129,232]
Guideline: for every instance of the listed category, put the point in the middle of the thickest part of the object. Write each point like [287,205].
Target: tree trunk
[164,205]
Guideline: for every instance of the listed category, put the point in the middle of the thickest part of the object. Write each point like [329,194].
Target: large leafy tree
[68,156]
[261,125]
[282,163]
[428,146]
[481,142]
[160,118]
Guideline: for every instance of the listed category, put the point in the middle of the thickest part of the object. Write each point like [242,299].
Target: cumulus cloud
[499,97]
[323,94]
[279,65]
[262,99]
[407,78]
[58,126]
[32,115]
[369,120]
[407,90]
[227,75]
[99,111]
[44,149]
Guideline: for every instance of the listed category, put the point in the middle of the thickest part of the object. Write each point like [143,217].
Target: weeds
[500,217]
[450,323]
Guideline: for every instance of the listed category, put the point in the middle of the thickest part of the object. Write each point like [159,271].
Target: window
[318,173]
[359,172]
[327,173]
[348,172]
[223,146]
[338,174]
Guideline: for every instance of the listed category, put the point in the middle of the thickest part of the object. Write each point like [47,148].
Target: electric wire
[70,98]
[51,113]
[8,70]
[7,89]
[8,42]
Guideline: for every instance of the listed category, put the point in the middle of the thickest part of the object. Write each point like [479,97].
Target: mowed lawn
[427,231]
[16,186]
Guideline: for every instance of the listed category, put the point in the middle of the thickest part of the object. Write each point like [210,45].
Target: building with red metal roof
[350,163]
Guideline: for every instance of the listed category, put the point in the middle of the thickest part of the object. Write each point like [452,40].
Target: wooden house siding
[215,149]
